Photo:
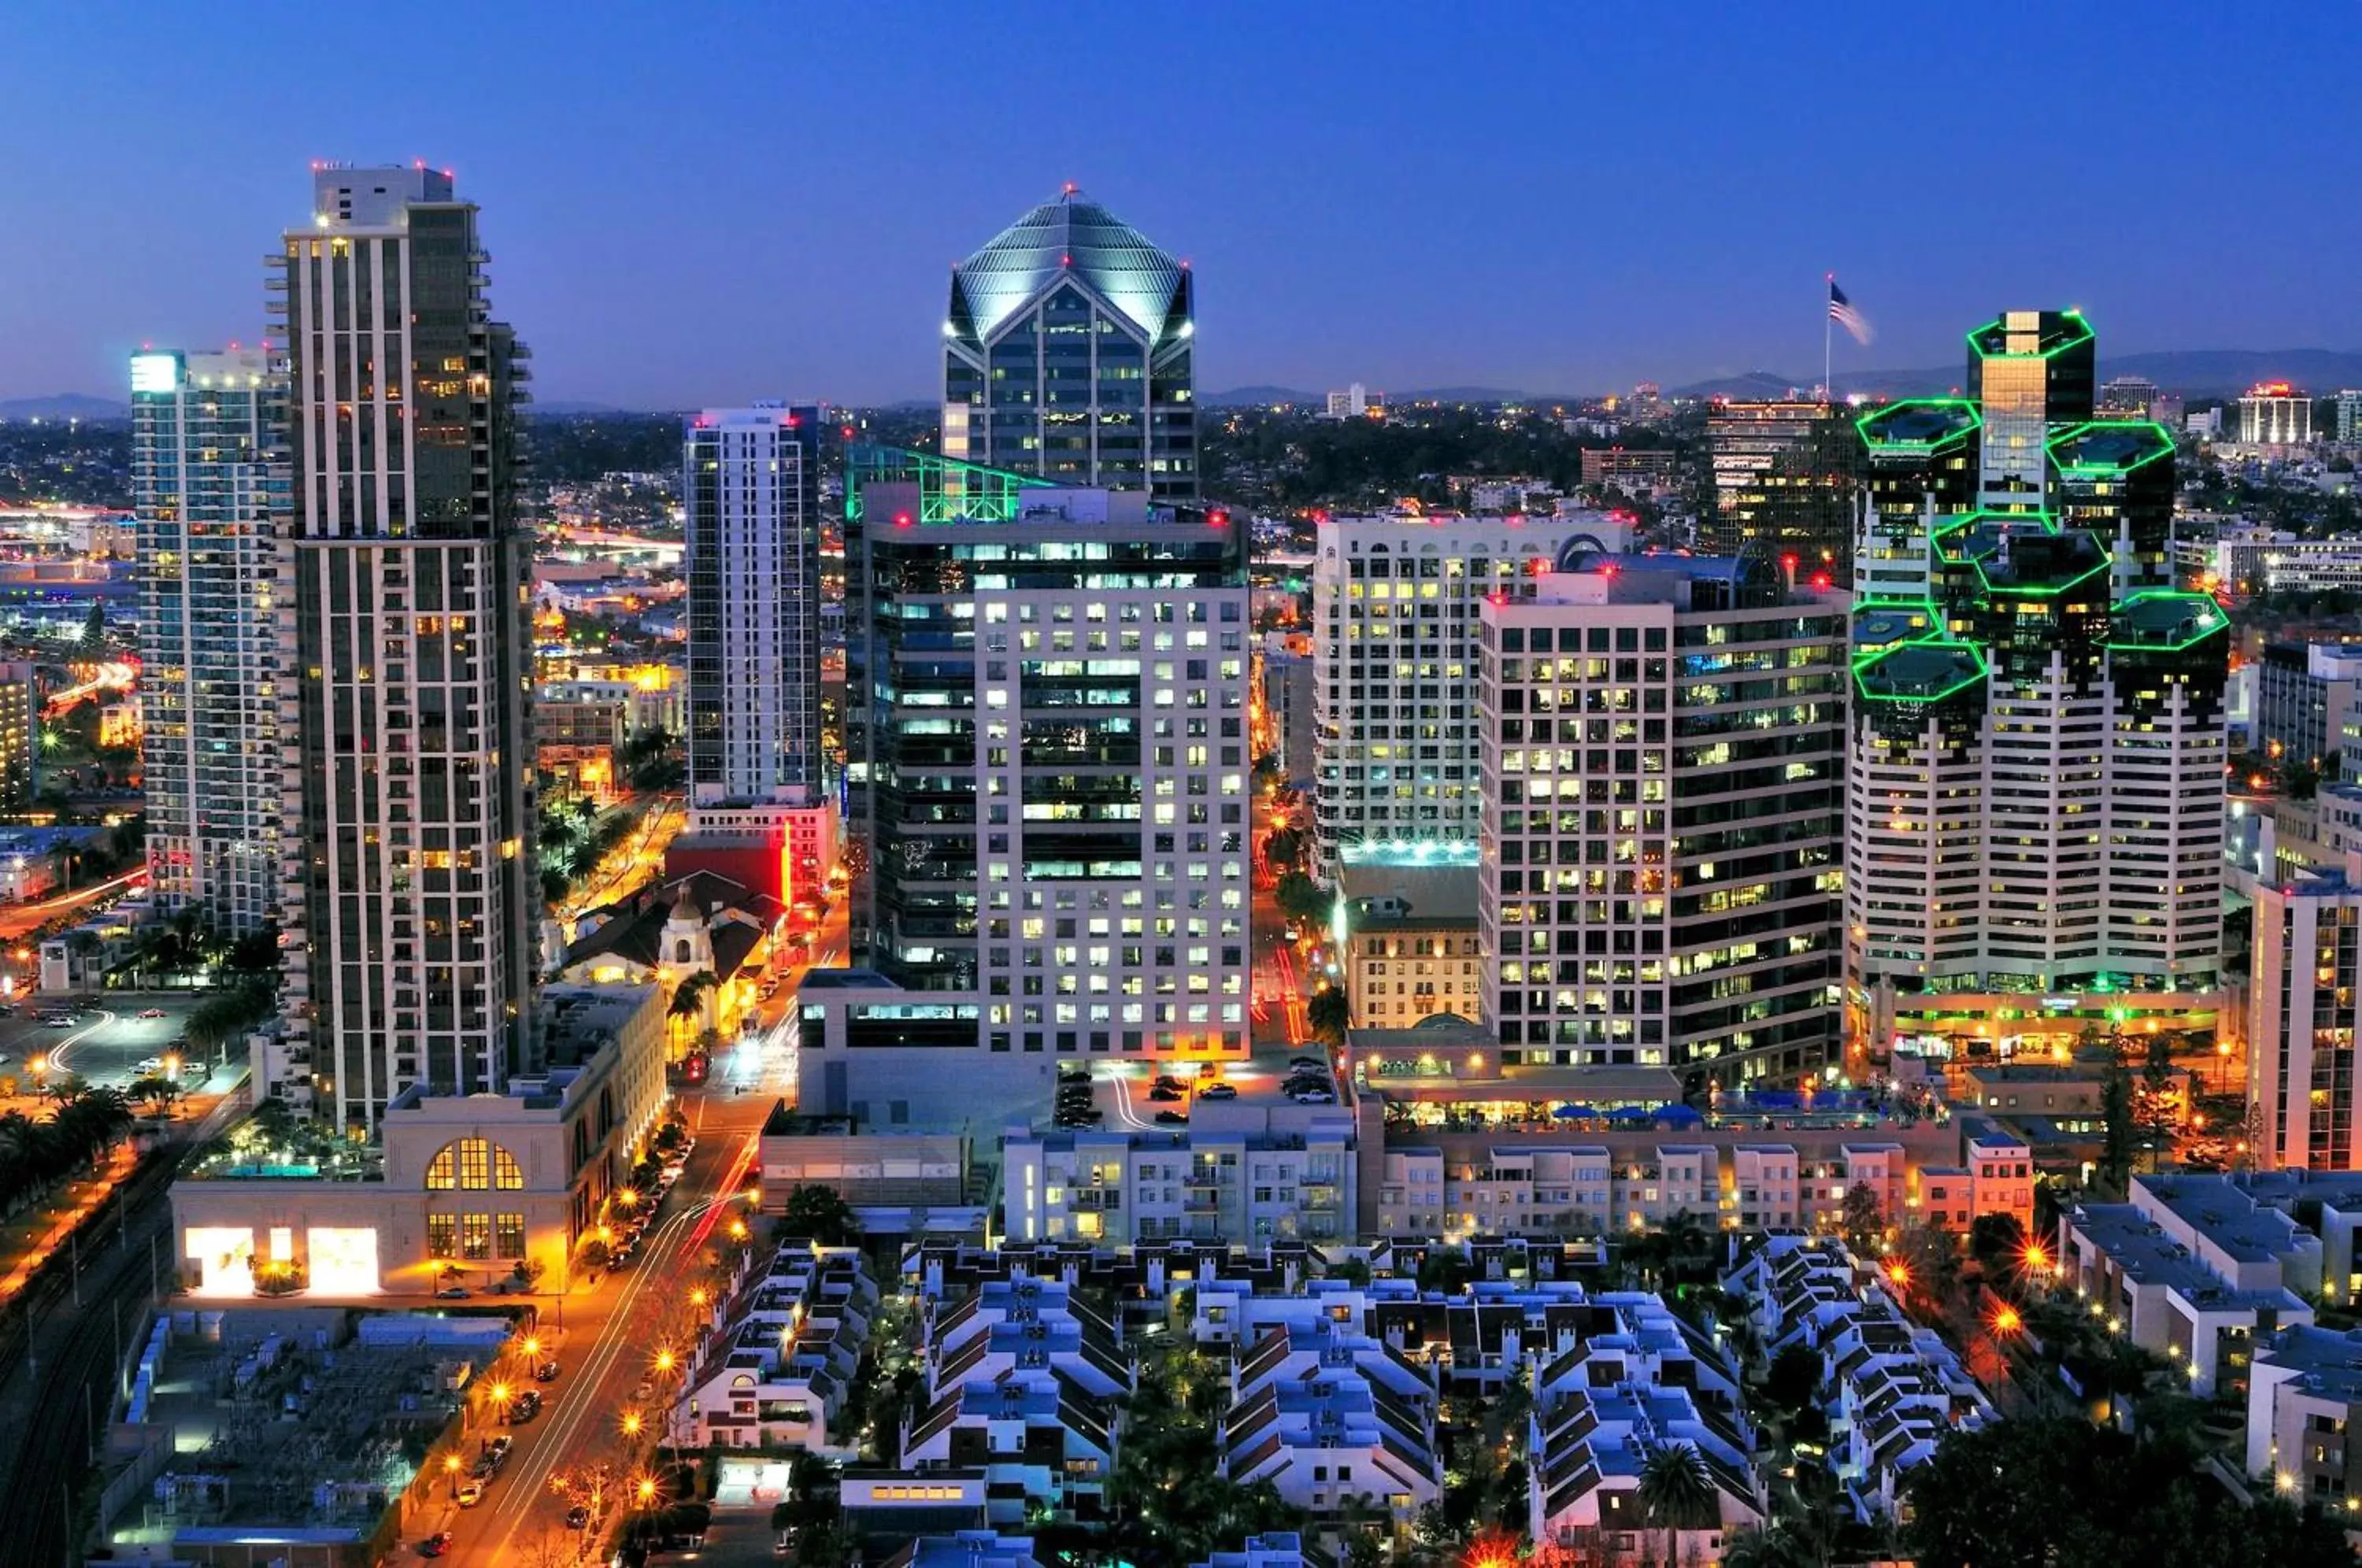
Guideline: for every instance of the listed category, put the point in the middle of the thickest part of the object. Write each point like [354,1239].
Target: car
[58,1020]
[1171,1119]
[436,1545]
[525,1406]
[1166,1080]
[644,1391]
[498,1449]
[578,1517]
[1161,1092]
[150,1065]
[452,1293]
[484,1467]
[1079,1094]
[545,1373]
[151,1013]
[471,1494]
[1073,1075]
[1313,1096]
[1218,1091]
[1315,1063]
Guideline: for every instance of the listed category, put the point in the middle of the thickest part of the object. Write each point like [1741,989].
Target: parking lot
[107,1041]
[1127,1093]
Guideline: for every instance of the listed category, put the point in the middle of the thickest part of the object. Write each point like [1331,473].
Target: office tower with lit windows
[1663,757]
[410,896]
[1395,602]
[204,429]
[1047,767]
[2274,413]
[1067,348]
[1783,484]
[2034,781]
[751,529]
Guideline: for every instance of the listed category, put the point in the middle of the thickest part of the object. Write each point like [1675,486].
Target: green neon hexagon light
[2040,522]
[2166,619]
[2079,331]
[1926,670]
[1920,425]
[2136,442]
[2044,589]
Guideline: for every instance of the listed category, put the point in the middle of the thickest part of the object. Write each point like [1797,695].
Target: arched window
[680,950]
[474,1164]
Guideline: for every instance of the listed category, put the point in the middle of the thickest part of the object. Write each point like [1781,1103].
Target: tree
[688,997]
[93,644]
[822,1215]
[2120,1136]
[1676,1491]
[1301,900]
[1328,1013]
[1863,1218]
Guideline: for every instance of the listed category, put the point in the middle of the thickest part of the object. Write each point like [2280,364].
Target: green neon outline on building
[1980,670]
[2049,590]
[2103,470]
[1995,324]
[1883,444]
[950,489]
[2215,620]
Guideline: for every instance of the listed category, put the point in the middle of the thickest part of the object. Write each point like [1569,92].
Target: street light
[632,1423]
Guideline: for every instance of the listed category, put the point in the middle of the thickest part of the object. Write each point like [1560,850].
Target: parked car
[1313,1096]
[525,1406]
[545,1373]
[151,1013]
[499,1448]
[1218,1091]
[1313,1062]
[471,1494]
[1171,1119]
[1161,1092]
[452,1293]
[578,1517]
[436,1545]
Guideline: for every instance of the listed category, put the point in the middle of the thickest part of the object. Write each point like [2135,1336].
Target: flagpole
[1829,383]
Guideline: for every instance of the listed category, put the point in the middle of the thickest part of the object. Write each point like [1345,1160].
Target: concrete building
[779,1369]
[866,1169]
[751,529]
[2304,1008]
[578,739]
[490,1191]
[1289,708]
[409,902]
[788,853]
[1048,775]
[206,431]
[1296,1176]
[2033,806]
[1409,939]
[2274,413]
[2304,1398]
[2200,1268]
[1644,720]
[668,933]
[1067,350]
[2305,701]
[1357,402]
[1634,471]
[1328,1415]
[1395,602]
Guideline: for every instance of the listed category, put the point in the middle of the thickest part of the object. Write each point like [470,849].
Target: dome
[1071,236]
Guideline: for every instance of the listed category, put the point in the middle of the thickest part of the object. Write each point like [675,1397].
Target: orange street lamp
[664,1359]
[627,1197]
[1900,1273]
[532,1345]
[631,1423]
[754,1195]
[645,1489]
[697,1296]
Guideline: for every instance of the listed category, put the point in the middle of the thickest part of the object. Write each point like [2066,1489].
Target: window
[506,1174]
[508,1235]
[439,1171]
[475,1163]
[476,1236]
[442,1233]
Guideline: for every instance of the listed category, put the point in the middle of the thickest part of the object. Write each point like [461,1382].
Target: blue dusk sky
[706,204]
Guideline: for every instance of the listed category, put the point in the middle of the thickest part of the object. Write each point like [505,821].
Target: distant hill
[63,406]
[1245,397]
[2192,372]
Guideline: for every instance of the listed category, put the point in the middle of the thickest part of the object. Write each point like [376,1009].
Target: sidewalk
[85,1194]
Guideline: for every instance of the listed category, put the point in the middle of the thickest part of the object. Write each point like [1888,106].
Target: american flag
[1841,310]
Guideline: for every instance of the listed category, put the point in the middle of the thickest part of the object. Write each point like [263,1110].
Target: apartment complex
[777,1362]
[1407,939]
[1298,1178]
[409,897]
[1067,351]
[1395,602]
[205,434]
[751,534]
[1662,757]
[2034,770]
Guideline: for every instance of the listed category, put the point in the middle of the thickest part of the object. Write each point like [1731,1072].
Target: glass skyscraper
[203,427]
[1066,354]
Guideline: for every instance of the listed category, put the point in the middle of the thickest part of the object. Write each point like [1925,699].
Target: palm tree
[1676,1491]
[1768,1548]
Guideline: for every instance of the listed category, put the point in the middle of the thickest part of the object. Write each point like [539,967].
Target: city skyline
[1624,244]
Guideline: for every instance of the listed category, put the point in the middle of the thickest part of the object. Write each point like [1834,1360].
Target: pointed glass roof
[1072,234]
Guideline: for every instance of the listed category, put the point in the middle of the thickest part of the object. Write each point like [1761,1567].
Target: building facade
[1395,600]
[2305,695]
[1047,763]
[408,846]
[1662,762]
[1783,484]
[1408,941]
[2035,746]
[751,532]
[204,429]
[2274,413]
[1067,350]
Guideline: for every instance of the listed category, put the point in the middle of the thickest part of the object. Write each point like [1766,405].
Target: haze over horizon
[692,212]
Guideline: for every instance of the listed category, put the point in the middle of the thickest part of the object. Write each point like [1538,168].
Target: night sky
[763,199]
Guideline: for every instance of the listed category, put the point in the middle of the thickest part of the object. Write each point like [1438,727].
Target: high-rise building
[1067,348]
[204,429]
[2349,419]
[2304,1009]
[752,533]
[2274,413]
[19,769]
[1395,602]
[1046,762]
[2034,776]
[1663,767]
[410,896]
[2128,397]
[1783,484]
